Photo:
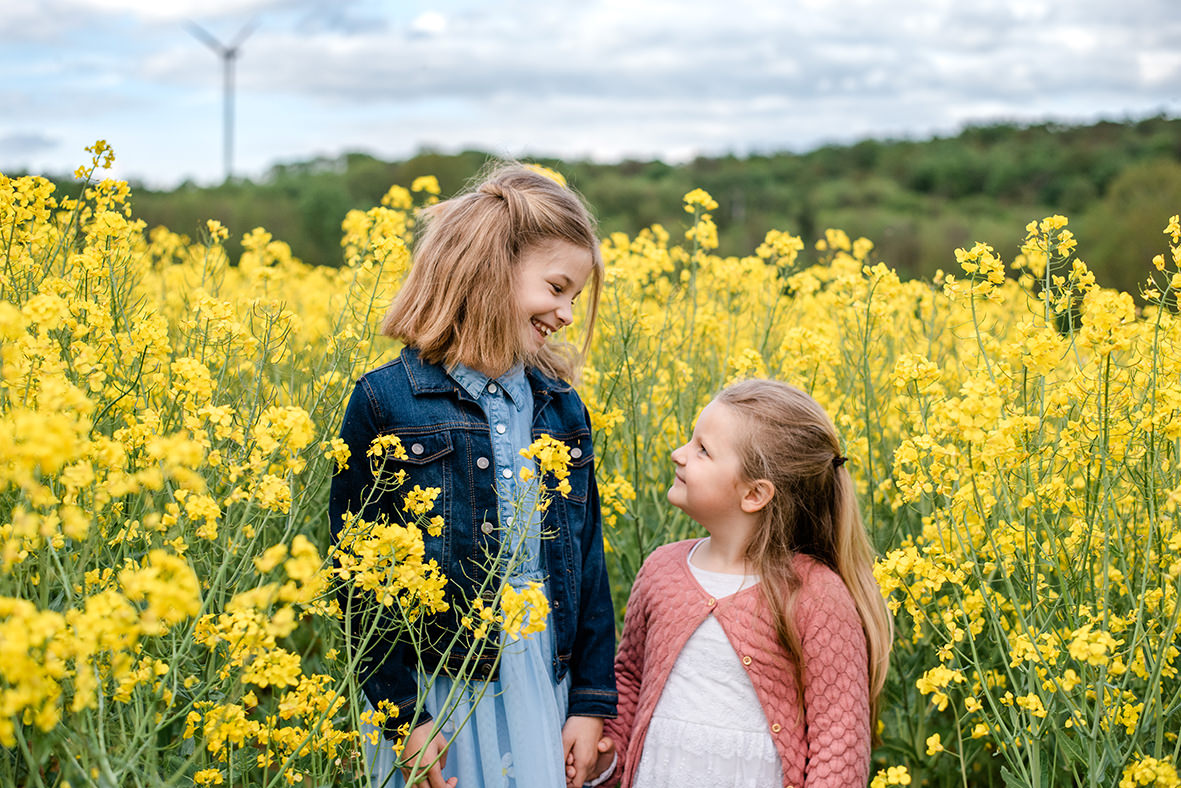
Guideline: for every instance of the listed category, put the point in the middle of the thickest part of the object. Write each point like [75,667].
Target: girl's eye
[556,288]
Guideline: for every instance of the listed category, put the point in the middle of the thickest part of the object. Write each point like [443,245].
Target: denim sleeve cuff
[592,703]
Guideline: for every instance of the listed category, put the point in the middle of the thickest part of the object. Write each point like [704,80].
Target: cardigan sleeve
[629,669]
[836,683]
[592,689]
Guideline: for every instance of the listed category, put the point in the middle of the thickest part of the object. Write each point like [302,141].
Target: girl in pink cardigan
[754,657]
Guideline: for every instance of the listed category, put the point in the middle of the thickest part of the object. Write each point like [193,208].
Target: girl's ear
[758,494]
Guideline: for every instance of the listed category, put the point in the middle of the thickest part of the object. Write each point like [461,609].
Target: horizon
[261,177]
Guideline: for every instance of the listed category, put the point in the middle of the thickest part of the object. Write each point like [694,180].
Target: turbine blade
[205,37]
[246,30]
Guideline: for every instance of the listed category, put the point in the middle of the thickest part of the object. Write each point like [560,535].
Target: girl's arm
[592,680]
[836,682]
[385,669]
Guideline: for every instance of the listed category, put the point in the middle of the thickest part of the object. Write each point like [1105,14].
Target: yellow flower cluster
[386,560]
[552,457]
[524,612]
[893,775]
[1151,772]
[520,613]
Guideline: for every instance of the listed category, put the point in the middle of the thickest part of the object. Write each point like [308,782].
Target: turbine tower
[228,53]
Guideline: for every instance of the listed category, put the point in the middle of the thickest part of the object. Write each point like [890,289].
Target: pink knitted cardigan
[828,745]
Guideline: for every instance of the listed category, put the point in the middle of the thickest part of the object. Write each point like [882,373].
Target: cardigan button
[711,602]
[776,728]
[746,660]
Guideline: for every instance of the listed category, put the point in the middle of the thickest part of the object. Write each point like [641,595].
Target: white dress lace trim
[708,727]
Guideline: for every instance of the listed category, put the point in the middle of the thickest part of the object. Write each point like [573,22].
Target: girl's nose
[677,454]
[565,314]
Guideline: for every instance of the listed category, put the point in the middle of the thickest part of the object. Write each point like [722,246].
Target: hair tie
[839,460]
[492,189]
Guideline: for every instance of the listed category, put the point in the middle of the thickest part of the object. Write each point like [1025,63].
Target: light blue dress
[513,736]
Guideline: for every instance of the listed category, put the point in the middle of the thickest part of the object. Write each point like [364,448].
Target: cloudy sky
[603,79]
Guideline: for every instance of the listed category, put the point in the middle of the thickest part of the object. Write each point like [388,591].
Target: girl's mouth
[542,328]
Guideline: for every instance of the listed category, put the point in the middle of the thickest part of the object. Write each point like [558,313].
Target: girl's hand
[580,738]
[419,743]
[606,758]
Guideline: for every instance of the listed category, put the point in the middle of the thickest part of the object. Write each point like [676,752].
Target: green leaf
[1012,780]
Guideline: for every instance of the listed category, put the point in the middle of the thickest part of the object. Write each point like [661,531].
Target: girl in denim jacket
[496,273]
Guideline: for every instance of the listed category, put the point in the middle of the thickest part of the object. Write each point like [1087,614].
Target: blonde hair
[789,440]
[452,304]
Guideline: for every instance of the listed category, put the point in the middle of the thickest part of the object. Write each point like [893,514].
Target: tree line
[1118,181]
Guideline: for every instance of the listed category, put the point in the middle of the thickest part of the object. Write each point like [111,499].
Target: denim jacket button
[506,473]
[576,452]
[500,428]
[416,448]
[486,527]
[492,388]
[481,462]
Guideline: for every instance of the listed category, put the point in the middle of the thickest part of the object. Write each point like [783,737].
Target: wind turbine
[228,53]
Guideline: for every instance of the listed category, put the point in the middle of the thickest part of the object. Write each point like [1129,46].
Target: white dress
[708,727]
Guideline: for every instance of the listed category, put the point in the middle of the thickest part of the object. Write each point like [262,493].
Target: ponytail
[854,563]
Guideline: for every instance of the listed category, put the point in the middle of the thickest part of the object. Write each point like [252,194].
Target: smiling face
[549,277]
[708,484]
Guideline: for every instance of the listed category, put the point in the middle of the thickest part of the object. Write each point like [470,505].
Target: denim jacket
[449,446]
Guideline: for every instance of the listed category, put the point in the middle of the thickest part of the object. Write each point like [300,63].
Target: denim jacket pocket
[582,454]
[425,447]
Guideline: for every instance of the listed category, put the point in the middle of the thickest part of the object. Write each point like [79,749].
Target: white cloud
[174,10]
[1160,67]
[429,23]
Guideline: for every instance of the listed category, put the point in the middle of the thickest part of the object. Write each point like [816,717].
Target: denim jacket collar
[475,382]
[433,379]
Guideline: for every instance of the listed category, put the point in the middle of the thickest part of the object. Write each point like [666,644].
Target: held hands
[587,753]
[606,748]
[422,749]
[580,737]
